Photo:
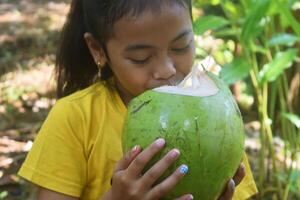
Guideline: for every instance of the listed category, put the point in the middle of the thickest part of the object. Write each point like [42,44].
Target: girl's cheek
[186,63]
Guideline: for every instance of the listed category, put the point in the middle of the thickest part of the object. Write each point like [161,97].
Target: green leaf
[233,10]
[292,3]
[226,32]
[201,3]
[294,119]
[3,194]
[236,70]
[273,69]
[251,25]
[288,17]
[257,48]
[210,22]
[283,39]
[295,181]
[246,4]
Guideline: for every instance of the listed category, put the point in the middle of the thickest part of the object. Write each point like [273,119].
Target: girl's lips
[173,81]
[197,83]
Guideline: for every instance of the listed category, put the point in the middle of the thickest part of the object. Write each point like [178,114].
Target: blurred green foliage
[265,36]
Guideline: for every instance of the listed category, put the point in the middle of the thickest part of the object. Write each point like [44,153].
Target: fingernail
[190,197]
[183,169]
[175,153]
[231,185]
[135,149]
[160,142]
[242,166]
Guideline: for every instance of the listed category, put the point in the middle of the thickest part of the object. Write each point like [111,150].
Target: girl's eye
[137,61]
[181,50]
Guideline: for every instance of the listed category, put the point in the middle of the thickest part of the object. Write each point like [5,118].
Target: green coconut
[201,119]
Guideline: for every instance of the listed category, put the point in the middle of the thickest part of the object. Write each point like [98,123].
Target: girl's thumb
[127,158]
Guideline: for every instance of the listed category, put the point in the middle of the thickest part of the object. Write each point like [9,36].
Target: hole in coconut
[197,83]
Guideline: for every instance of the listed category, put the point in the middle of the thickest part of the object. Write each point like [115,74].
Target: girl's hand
[129,182]
[238,177]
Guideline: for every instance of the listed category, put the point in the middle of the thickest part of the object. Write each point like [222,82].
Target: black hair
[75,67]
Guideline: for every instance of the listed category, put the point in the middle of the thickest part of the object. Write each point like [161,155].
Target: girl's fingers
[159,168]
[240,174]
[185,197]
[138,164]
[238,177]
[229,191]
[168,184]
[128,158]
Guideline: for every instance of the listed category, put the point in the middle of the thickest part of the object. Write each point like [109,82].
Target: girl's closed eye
[140,60]
[182,49]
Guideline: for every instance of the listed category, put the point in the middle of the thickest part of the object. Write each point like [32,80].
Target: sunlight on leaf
[273,69]
[283,39]
[209,22]
[3,194]
[294,119]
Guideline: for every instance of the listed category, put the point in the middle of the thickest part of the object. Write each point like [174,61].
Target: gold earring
[99,65]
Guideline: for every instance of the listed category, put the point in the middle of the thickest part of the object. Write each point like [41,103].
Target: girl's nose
[165,70]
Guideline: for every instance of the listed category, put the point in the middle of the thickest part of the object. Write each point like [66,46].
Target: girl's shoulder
[81,114]
[101,95]
[96,89]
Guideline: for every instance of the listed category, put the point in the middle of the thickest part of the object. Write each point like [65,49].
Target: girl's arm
[45,194]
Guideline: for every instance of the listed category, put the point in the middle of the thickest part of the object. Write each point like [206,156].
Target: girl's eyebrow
[182,34]
[134,47]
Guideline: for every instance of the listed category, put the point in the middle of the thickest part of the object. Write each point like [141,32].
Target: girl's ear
[95,49]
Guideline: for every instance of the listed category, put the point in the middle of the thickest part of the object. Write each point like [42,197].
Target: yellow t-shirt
[80,142]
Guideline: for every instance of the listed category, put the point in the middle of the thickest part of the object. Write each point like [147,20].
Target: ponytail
[75,67]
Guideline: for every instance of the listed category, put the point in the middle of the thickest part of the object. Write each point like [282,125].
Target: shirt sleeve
[247,187]
[57,160]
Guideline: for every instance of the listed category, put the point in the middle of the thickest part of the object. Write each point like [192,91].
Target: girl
[133,46]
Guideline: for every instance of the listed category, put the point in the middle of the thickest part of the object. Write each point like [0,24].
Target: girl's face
[152,50]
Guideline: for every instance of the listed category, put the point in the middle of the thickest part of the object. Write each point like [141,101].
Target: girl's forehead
[149,24]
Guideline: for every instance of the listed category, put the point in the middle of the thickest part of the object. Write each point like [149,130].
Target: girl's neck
[125,96]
